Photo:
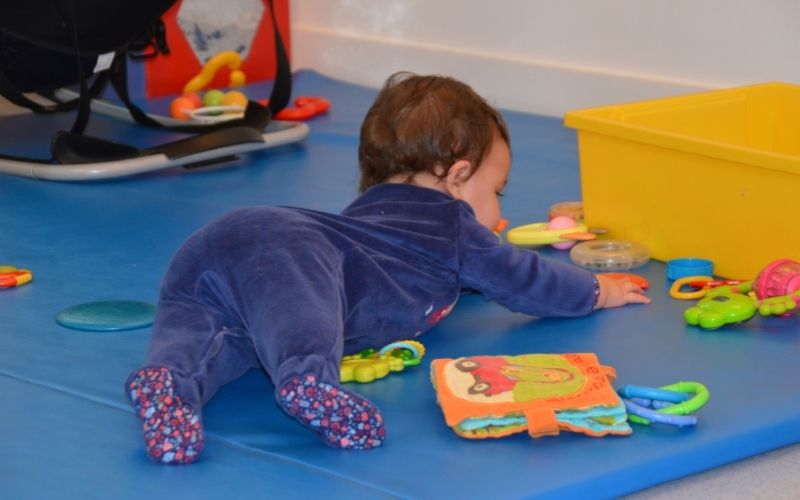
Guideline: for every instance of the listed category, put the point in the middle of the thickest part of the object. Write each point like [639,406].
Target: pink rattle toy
[563,222]
[780,277]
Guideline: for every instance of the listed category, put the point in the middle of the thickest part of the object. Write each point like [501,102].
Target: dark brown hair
[418,123]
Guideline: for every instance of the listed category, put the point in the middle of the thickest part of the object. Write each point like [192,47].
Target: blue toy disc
[107,316]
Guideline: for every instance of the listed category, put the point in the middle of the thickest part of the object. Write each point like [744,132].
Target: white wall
[548,56]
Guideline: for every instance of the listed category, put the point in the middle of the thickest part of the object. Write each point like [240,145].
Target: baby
[292,290]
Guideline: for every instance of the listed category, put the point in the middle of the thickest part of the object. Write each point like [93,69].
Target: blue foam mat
[82,450]
[69,432]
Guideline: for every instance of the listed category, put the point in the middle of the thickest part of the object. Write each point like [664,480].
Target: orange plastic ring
[675,289]
[319,104]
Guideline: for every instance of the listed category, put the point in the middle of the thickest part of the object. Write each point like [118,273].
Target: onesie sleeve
[521,279]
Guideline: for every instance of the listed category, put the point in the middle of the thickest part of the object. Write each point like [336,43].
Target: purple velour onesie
[291,290]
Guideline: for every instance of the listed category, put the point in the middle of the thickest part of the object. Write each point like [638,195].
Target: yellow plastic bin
[714,174]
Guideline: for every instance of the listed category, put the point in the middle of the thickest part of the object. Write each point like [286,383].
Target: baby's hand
[615,292]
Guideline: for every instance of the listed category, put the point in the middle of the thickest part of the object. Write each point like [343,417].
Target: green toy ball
[213,98]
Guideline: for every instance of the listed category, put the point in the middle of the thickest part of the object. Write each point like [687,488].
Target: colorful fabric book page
[495,396]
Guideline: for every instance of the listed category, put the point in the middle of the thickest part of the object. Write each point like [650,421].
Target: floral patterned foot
[341,418]
[173,433]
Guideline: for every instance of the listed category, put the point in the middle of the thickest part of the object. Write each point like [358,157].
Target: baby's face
[483,190]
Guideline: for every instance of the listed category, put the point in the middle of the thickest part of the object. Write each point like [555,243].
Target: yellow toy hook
[227,58]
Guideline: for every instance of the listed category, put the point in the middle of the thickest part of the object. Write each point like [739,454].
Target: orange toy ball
[180,107]
[195,97]
[237,78]
[234,98]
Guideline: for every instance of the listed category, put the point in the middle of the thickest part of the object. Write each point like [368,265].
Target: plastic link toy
[371,364]
[674,404]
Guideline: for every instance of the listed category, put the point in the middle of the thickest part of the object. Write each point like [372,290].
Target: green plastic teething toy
[370,364]
[699,399]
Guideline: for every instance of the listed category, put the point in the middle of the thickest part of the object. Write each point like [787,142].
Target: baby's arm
[615,293]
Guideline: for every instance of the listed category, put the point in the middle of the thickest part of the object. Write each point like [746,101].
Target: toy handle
[227,58]
[779,306]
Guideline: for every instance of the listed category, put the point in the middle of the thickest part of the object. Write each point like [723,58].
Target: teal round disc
[107,316]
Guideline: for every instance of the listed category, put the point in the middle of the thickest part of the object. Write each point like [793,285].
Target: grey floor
[773,475]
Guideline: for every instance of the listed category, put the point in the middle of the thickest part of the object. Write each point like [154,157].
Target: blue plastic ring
[400,345]
[637,391]
[657,416]
[689,266]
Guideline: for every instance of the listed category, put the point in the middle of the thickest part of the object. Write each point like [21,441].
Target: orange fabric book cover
[495,396]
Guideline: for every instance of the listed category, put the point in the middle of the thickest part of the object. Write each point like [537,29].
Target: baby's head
[425,124]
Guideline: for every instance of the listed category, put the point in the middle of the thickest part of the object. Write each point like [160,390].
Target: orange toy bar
[11,277]
[496,396]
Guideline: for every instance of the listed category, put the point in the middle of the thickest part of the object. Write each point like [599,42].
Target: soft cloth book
[495,396]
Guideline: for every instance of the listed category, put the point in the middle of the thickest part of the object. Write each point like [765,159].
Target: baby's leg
[192,353]
[341,418]
[297,328]
[172,429]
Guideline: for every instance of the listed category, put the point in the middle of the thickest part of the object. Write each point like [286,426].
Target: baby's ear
[458,174]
